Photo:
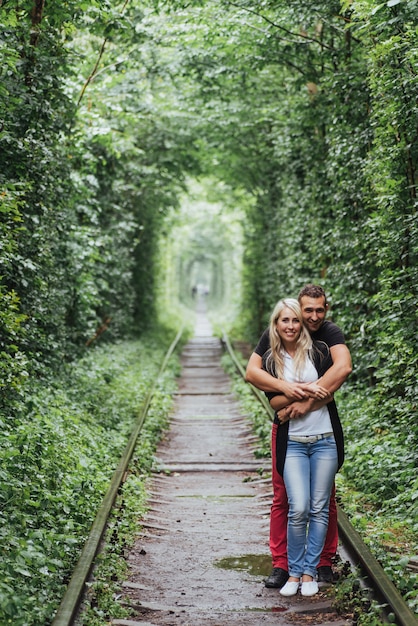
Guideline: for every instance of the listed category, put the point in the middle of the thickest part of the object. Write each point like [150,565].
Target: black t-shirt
[329,333]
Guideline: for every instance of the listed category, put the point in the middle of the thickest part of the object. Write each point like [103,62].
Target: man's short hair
[312,291]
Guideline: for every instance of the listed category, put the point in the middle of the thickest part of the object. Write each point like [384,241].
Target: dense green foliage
[107,110]
[85,181]
[58,461]
[305,116]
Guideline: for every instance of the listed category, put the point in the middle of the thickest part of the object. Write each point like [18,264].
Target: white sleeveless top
[316,422]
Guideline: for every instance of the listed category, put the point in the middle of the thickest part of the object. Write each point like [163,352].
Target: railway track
[75,590]
[209,513]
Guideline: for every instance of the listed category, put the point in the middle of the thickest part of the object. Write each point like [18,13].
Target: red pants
[278,519]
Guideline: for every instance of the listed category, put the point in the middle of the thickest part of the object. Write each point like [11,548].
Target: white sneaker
[309,588]
[290,588]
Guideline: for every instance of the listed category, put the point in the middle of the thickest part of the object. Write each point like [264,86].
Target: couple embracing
[299,362]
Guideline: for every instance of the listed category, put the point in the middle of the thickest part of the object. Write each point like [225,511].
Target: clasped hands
[303,397]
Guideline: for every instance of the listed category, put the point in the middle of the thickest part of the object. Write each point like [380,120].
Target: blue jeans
[309,473]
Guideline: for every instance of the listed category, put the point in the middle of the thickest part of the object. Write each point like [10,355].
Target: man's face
[314,311]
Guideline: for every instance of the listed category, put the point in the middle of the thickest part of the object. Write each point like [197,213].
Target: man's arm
[299,408]
[331,381]
[340,369]
[316,397]
[266,382]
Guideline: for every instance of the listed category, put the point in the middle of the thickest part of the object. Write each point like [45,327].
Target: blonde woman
[309,449]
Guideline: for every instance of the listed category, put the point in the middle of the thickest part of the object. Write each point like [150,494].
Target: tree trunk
[36,16]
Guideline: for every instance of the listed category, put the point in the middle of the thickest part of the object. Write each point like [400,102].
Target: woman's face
[288,326]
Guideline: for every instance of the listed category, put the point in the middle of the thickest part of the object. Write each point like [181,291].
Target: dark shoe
[277,579]
[325,574]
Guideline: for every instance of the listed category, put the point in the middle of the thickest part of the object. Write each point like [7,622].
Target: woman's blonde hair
[275,356]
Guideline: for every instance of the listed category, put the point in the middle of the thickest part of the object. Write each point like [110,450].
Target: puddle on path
[255,564]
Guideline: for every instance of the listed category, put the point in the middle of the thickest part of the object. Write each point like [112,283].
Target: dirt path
[203,552]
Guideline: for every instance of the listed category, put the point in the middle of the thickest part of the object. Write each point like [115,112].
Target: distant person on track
[300,399]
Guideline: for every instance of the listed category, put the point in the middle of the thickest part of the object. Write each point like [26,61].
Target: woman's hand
[295,391]
[314,390]
[297,409]
[283,416]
